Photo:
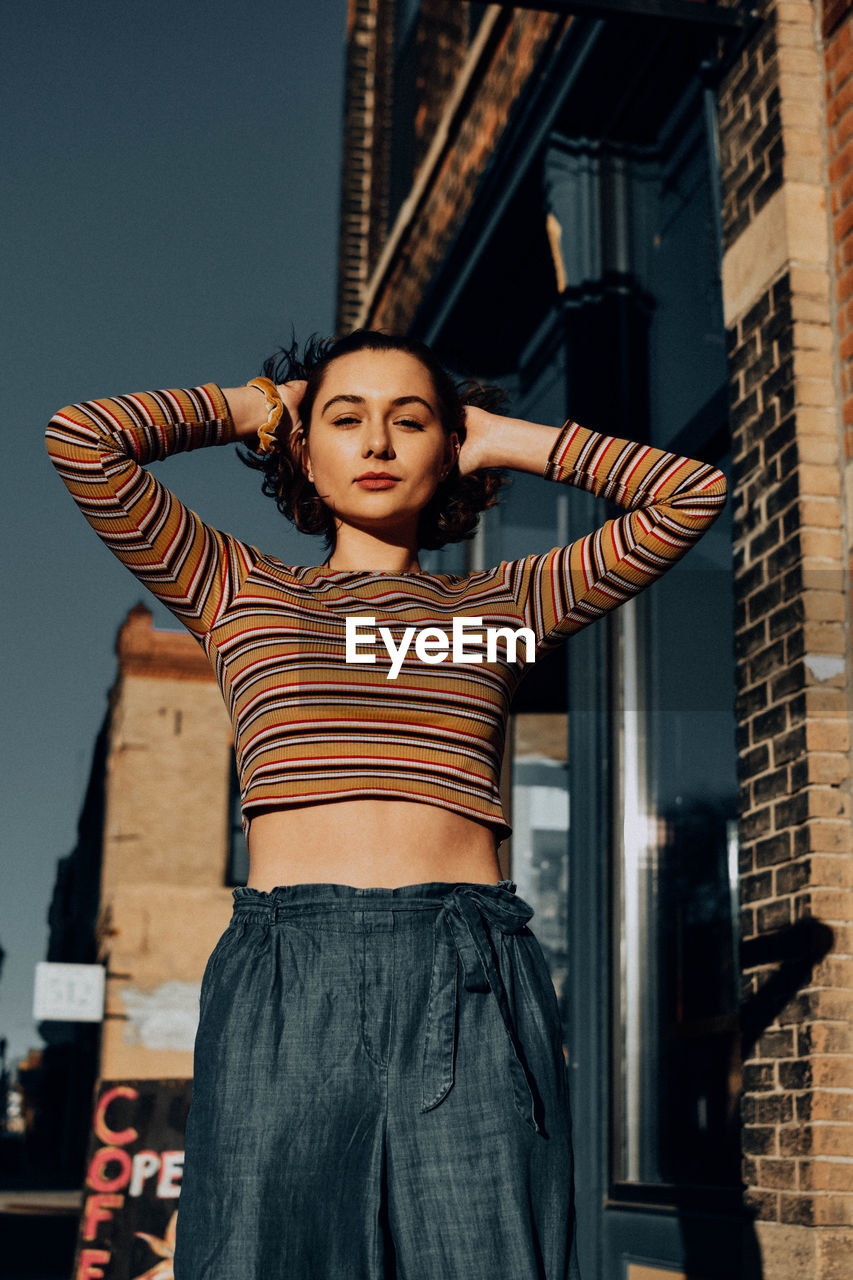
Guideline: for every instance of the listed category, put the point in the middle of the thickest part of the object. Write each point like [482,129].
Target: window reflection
[540,825]
[676,1040]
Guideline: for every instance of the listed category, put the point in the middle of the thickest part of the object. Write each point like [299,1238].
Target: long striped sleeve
[671,501]
[99,448]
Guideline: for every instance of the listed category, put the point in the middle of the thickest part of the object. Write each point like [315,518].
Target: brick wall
[793,736]
[792,643]
[517,40]
[442,45]
[366,142]
[838,63]
[833,12]
[750,130]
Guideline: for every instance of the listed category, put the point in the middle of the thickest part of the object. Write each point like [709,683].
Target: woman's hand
[291,395]
[249,412]
[479,429]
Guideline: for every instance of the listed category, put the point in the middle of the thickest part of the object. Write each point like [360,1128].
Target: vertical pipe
[709,103]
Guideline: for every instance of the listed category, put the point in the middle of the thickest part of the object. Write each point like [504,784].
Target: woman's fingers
[291,394]
[296,388]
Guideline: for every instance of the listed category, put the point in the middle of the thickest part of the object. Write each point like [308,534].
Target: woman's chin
[373,517]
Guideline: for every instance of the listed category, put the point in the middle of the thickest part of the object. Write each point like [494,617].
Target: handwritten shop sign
[133,1180]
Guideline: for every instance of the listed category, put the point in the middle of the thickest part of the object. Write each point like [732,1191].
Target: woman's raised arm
[671,501]
[100,448]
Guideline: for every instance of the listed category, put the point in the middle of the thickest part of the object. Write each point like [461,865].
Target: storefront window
[539,853]
[675,969]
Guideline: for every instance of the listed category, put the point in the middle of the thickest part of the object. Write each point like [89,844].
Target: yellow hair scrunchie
[275,404]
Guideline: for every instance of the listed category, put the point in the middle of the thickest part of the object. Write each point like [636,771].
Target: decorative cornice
[143,651]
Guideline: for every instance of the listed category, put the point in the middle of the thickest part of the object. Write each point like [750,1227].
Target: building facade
[643,221]
[147,889]
[164,896]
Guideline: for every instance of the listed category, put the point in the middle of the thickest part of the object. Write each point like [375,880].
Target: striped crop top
[308,725]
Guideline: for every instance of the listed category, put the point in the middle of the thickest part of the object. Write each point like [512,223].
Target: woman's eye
[404,422]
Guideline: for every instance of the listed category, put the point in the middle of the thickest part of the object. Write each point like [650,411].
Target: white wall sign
[69,992]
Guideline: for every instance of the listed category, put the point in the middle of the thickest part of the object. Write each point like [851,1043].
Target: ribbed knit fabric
[308,726]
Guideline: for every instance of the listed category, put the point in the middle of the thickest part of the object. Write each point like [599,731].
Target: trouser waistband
[288,899]
[461,940]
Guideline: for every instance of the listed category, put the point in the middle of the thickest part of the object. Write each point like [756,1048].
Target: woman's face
[377,411]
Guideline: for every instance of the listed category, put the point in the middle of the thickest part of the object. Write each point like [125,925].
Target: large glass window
[674,973]
[643,357]
[676,986]
[539,854]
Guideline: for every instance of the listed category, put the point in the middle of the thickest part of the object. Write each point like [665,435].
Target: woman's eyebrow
[351,399]
[413,400]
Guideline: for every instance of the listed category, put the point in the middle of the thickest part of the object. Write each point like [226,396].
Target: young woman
[380,1088]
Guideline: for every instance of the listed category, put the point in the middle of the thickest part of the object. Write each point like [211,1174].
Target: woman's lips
[376,482]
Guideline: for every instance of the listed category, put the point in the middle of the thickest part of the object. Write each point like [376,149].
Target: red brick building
[146,891]
[644,220]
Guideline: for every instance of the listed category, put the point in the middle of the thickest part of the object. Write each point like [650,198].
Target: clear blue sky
[172,187]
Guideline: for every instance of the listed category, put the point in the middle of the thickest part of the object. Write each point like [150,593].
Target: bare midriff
[367,843]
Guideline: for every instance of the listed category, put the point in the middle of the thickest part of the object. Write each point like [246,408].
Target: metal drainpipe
[709,71]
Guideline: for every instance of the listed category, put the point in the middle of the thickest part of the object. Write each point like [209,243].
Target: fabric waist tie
[460,934]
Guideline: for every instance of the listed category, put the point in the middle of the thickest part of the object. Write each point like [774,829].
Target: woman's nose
[377,439]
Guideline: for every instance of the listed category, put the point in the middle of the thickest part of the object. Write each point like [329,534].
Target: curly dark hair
[452,513]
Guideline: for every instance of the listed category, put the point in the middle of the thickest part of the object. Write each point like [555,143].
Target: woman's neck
[362,554]
[383,564]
